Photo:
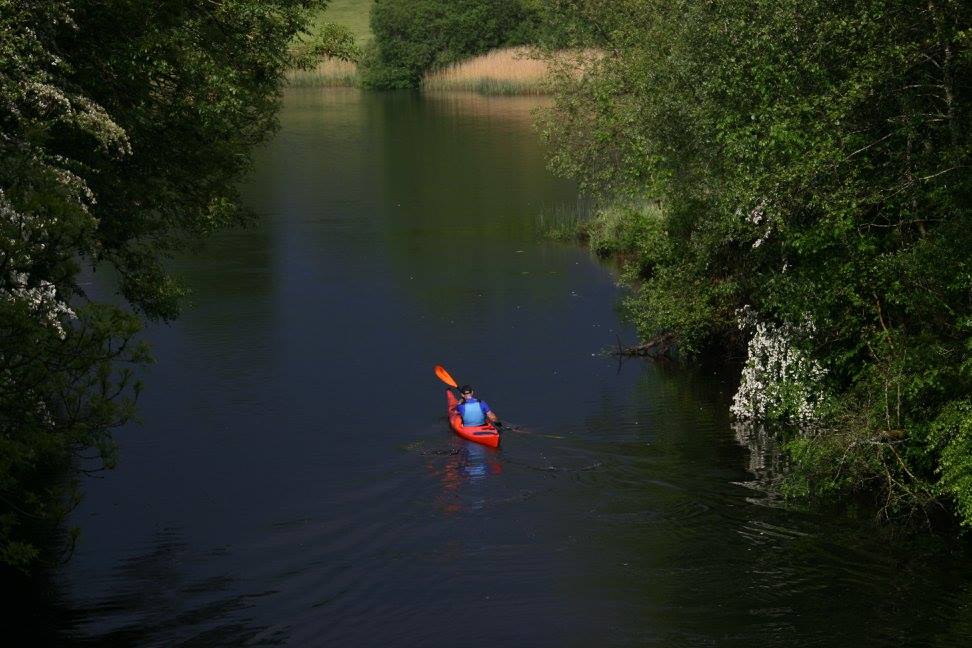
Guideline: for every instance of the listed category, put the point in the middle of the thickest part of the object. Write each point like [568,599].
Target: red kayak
[485,434]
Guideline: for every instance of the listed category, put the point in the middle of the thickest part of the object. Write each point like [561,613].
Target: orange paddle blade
[444,376]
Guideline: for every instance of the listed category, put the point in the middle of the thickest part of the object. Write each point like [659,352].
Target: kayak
[484,434]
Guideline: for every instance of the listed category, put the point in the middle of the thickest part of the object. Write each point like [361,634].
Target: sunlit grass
[612,230]
[353,14]
[510,71]
[503,71]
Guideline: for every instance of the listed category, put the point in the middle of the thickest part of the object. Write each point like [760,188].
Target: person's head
[466,391]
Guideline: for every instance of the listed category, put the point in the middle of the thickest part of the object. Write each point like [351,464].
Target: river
[294,481]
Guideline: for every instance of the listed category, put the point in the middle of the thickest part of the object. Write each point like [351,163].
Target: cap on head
[466,389]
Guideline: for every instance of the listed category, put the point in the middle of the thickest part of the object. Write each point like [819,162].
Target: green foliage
[117,148]
[951,439]
[329,40]
[629,230]
[674,303]
[414,36]
[813,165]
[562,223]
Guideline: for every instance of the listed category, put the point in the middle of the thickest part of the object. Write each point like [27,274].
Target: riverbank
[515,70]
[827,460]
[506,71]
[350,16]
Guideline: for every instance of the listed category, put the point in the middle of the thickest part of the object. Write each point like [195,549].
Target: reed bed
[567,221]
[508,71]
[330,72]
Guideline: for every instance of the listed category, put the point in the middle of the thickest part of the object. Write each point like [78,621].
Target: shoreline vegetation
[110,160]
[518,70]
[329,72]
[811,219]
[483,46]
[345,20]
[504,71]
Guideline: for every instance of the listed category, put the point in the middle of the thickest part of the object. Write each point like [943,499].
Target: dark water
[294,480]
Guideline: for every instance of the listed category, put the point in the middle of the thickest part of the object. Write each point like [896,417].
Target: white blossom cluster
[778,378]
[758,213]
[23,241]
[30,229]
[21,236]
[53,104]
[756,217]
[41,300]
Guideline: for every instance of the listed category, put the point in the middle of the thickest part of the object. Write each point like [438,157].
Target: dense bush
[813,166]
[414,36]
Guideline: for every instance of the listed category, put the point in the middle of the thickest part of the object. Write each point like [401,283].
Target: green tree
[811,161]
[414,36]
[124,125]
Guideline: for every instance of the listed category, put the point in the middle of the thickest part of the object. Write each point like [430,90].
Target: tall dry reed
[503,71]
[330,72]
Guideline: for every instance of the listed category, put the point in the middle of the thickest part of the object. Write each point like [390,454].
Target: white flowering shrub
[42,303]
[779,380]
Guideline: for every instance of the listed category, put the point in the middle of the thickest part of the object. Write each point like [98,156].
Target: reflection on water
[476,464]
[461,474]
[764,458]
[486,108]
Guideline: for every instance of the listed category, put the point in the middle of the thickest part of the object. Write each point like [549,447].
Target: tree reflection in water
[169,595]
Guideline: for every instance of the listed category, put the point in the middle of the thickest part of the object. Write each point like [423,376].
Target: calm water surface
[294,480]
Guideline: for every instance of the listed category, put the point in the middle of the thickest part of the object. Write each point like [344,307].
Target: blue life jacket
[472,413]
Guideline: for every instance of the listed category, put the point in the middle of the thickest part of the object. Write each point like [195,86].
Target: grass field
[353,14]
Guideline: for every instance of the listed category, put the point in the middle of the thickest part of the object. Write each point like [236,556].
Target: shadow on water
[160,597]
[157,597]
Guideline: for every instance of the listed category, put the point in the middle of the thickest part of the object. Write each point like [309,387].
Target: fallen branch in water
[663,345]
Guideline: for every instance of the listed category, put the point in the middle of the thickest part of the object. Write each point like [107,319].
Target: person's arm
[490,415]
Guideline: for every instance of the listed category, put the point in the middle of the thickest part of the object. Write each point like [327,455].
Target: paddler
[474,412]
